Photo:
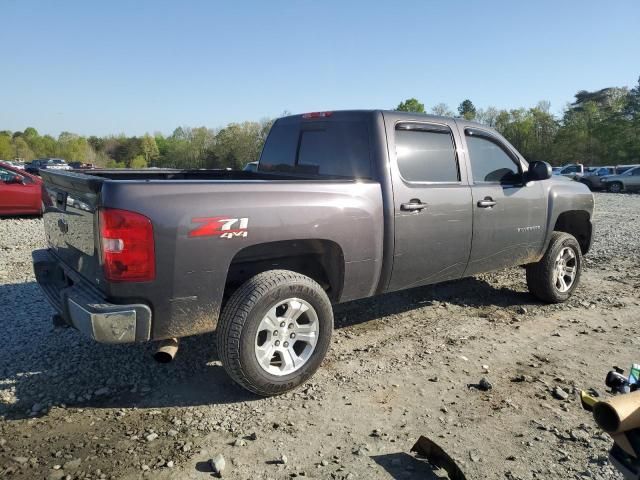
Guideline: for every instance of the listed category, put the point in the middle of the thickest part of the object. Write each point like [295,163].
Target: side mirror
[539,171]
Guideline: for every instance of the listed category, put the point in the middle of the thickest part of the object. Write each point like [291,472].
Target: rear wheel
[555,277]
[275,331]
[615,187]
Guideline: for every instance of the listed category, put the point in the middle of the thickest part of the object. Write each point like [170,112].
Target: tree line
[601,127]
[598,128]
[229,147]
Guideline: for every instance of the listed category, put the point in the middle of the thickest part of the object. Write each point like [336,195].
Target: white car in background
[14,164]
[47,164]
[574,171]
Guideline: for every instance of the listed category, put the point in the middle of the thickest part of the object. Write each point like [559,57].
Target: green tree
[410,105]
[7,152]
[531,131]
[45,146]
[238,144]
[113,164]
[139,162]
[442,110]
[74,148]
[22,149]
[632,107]
[96,143]
[467,110]
[30,133]
[488,116]
[149,149]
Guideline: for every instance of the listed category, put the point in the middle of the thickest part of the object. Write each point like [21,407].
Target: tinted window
[279,152]
[327,148]
[335,148]
[426,155]
[635,172]
[6,175]
[571,169]
[489,162]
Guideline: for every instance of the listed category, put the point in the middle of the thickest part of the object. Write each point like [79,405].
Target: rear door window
[426,153]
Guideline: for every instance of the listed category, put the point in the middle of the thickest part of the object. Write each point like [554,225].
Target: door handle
[414,205]
[488,202]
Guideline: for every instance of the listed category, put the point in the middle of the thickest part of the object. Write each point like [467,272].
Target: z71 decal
[223,227]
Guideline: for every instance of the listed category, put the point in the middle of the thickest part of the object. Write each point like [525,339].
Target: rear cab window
[333,146]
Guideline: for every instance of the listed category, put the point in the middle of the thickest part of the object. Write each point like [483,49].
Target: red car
[20,192]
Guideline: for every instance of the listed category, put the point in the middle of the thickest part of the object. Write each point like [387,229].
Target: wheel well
[321,260]
[576,222]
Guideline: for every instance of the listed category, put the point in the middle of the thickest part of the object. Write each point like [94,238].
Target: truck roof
[408,115]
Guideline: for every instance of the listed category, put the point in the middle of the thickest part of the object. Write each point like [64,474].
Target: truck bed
[305,215]
[177,174]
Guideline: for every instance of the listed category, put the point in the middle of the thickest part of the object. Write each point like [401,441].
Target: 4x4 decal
[223,227]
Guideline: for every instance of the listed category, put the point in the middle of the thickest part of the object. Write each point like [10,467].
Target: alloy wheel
[287,336]
[566,267]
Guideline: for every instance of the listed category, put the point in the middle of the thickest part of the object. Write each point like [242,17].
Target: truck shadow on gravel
[467,292]
[404,466]
[42,367]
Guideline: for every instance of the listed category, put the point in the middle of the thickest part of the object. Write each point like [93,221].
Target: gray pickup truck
[343,205]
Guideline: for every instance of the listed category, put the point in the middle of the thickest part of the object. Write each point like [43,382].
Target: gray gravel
[56,377]
[39,367]
[617,222]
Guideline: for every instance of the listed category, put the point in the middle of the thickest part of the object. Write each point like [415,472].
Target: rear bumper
[85,308]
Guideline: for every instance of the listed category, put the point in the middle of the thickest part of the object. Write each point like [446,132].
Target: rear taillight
[128,253]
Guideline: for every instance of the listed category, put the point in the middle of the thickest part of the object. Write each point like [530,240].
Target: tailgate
[71,201]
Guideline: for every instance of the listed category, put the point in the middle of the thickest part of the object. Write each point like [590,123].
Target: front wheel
[555,277]
[615,187]
[275,331]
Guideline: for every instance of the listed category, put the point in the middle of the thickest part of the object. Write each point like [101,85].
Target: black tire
[615,187]
[240,319]
[541,276]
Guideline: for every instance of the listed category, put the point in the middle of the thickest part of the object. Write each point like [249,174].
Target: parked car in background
[628,181]
[20,192]
[251,167]
[556,170]
[623,168]
[575,171]
[593,178]
[46,164]
[81,165]
[13,163]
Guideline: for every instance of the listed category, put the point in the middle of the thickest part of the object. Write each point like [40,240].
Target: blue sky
[132,67]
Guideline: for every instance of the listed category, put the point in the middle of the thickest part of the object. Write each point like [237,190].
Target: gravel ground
[401,366]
